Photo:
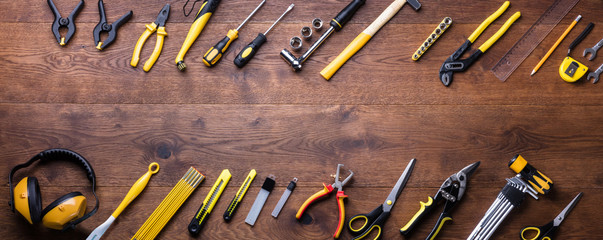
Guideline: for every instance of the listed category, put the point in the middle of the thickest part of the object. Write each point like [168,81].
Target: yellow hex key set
[170,204]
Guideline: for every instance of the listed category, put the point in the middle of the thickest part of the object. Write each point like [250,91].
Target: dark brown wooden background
[379,111]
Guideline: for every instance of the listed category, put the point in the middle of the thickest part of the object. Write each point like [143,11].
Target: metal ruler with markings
[528,42]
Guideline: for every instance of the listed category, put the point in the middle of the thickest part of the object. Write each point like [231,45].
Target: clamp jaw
[111,29]
[68,22]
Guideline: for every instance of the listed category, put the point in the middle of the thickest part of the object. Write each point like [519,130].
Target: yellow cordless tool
[366,35]
[207,9]
[214,54]
[159,27]
[455,64]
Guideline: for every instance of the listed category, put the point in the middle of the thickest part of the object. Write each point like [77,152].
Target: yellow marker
[207,9]
[556,44]
[365,36]
[210,201]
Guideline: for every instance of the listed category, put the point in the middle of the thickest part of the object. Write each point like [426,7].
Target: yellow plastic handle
[136,189]
[419,213]
[346,54]
[326,190]
[500,32]
[527,229]
[340,197]
[141,40]
[161,34]
[193,33]
[488,20]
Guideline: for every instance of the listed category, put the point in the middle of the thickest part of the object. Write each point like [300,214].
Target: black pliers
[68,22]
[111,29]
[454,64]
[451,192]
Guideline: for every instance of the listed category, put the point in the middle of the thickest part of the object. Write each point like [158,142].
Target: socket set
[432,38]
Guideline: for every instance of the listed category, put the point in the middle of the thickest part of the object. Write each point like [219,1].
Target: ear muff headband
[54,155]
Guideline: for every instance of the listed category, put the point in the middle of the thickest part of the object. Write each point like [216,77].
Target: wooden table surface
[379,111]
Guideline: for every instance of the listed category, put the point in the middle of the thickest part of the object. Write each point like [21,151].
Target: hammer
[366,35]
[336,25]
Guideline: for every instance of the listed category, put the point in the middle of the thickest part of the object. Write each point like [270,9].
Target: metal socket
[317,24]
[306,33]
[295,43]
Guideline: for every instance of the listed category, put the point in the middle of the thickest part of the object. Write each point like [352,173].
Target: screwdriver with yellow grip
[214,54]
[366,35]
[136,189]
[252,48]
[539,181]
[207,9]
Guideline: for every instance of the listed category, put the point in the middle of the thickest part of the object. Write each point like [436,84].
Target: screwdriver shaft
[251,15]
[277,20]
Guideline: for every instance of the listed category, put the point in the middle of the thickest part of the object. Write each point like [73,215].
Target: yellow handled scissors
[547,231]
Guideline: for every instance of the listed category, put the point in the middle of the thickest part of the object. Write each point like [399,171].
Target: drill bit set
[511,196]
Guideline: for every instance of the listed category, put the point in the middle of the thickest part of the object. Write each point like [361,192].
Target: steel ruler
[528,42]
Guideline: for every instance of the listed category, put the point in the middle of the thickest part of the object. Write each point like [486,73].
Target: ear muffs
[65,209]
[63,213]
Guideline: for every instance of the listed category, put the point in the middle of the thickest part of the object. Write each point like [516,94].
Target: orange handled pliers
[326,191]
[159,27]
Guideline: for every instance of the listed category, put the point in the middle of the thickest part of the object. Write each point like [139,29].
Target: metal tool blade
[567,209]
[393,195]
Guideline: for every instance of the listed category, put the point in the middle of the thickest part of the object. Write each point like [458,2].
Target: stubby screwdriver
[213,55]
[249,51]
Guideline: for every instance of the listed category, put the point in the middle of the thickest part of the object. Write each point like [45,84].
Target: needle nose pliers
[454,64]
[68,22]
[326,191]
[111,29]
[159,27]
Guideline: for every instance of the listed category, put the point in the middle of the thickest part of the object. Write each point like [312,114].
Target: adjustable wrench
[593,50]
[595,75]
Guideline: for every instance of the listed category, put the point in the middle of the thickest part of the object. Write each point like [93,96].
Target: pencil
[556,44]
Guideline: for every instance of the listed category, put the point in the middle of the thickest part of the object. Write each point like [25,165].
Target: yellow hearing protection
[63,213]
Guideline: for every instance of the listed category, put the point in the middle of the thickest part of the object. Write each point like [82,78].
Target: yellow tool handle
[136,189]
[141,40]
[213,55]
[424,210]
[444,217]
[362,39]
[340,197]
[195,30]
[488,20]
[161,34]
[499,33]
[326,190]
[224,177]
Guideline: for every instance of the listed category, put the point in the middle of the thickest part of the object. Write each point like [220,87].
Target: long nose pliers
[111,29]
[68,22]
[159,27]
[326,191]
[454,64]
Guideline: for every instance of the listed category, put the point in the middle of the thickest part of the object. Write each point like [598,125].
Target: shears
[375,220]
[547,231]
[451,192]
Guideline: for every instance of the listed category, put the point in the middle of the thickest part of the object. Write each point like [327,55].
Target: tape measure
[528,42]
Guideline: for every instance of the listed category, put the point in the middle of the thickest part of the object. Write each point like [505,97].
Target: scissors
[547,231]
[376,218]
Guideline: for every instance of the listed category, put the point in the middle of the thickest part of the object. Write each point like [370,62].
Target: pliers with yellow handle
[159,27]
[326,191]
[454,64]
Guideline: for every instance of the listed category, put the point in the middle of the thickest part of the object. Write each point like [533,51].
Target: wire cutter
[111,29]
[326,191]
[547,231]
[159,27]
[454,64]
[451,192]
[68,22]
[376,218]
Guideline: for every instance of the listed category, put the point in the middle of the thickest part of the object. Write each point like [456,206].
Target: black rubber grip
[581,37]
[268,184]
[346,14]
[292,185]
[209,7]
[513,195]
[250,50]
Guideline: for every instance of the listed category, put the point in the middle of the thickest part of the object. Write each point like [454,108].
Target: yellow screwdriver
[213,55]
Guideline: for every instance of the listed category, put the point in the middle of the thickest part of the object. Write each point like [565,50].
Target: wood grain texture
[380,110]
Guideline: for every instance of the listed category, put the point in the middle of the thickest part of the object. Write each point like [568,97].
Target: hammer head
[294,62]
[414,4]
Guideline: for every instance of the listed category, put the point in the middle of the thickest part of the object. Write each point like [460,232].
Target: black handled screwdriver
[214,54]
[248,52]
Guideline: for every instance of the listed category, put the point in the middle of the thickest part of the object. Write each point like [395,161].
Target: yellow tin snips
[454,64]
[159,27]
